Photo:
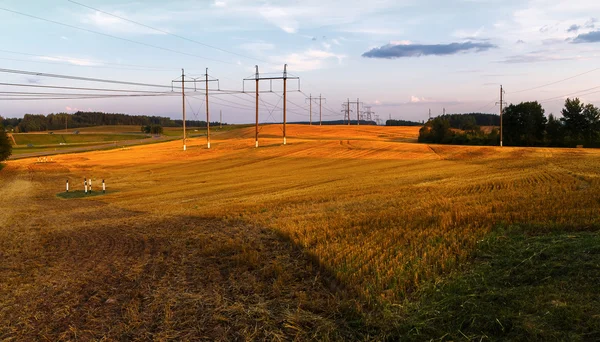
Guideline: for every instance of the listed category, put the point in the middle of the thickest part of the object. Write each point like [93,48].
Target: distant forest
[402,123]
[524,124]
[40,122]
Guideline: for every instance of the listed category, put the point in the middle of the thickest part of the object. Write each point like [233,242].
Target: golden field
[278,243]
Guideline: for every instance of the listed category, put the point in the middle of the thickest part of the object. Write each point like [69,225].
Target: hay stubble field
[329,237]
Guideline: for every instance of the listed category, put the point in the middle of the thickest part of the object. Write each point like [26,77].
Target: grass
[330,237]
[521,287]
[81,194]
[56,139]
[2,165]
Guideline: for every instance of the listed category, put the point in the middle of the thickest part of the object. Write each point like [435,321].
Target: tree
[5,144]
[554,131]
[574,121]
[591,131]
[524,124]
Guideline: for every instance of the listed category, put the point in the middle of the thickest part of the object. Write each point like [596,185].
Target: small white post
[256,143]
[103,187]
[90,185]
[67,185]
[85,184]
[284,141]
[184,148]
[209,144]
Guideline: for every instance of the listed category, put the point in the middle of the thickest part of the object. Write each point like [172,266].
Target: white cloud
[220,3]
[308,60]
[258,48]
[279,17]
[70,60]
[415,99]
[116,25]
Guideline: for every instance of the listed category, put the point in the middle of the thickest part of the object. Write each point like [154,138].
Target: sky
[401,57]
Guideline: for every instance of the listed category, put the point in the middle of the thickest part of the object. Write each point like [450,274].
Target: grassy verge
[80,194]
[2,166]
[520,288]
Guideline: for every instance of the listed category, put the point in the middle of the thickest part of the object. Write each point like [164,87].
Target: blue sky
[400,57]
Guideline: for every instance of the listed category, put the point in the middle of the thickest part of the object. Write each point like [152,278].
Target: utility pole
[501,103]
[348,108]
[310,111]
[284,103]
[358,103]
[320,110]
[444,111]
[193,80]
[368,113]
[285,77]
[310,98]
[429,113]
[207,114]
[256,128]
[183,105]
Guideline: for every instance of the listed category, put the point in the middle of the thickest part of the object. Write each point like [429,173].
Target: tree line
[40,122]
[524,124]
[5,144]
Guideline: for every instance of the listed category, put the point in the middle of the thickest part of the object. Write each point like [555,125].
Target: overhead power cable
[115,37]
[168,33]
[33,73]
[559,81]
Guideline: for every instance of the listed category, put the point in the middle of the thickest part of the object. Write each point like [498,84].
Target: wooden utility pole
[320,111]
[183,105]
[207,114]
[285,77]
[348,109]
[357,111]
[284,102]
[310,110]
[256,128]
[193,80]
[501,123]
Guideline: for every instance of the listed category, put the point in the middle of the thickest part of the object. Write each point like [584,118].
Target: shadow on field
[182,278]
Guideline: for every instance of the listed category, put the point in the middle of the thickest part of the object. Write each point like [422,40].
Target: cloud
[573,28]
[590,24]
[311,59]
[520,41]
[64,38]
[415,99]
[590,37]
[70,60]
[257,48]
[219,4]
[539,56]
[391,51]
[113,24]
[279,17]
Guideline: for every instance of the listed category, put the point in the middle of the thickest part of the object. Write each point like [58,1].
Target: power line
[33,73]
[548,84]
[115,37]
[76,88]
[168,33]
[58,60]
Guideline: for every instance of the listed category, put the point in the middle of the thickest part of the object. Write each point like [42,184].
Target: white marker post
[67,185]
[85,185]
[90,185]
[103,187]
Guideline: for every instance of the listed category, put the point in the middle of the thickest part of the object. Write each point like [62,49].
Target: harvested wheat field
[331,237]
